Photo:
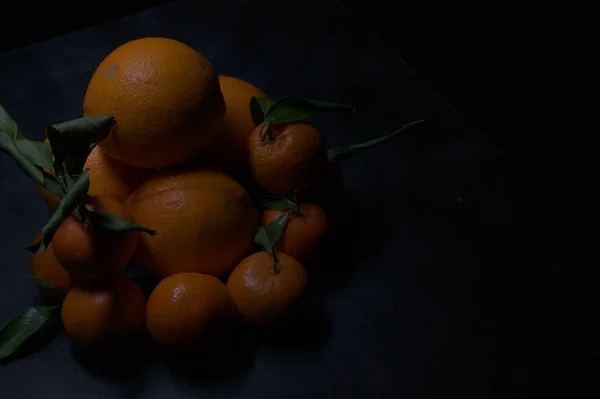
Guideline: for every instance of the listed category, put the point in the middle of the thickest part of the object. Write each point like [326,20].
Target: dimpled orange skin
[231,146]
[47,267]
[107,177]
[94,253]
[204,219]
[189,311]
[293,160]
[302,233]
[100,315]
[165,97]
[263,298]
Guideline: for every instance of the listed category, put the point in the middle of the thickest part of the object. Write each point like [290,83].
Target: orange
[204,219]
[101,315]
[95,252]
[107,177]
[263,297]
[165,97]
[303,231]
[46,266]
[189,311]
[291,159]
[231,146]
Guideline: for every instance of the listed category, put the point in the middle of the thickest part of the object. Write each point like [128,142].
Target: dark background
[515,71]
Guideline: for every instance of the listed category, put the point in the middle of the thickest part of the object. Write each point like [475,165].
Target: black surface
[460,277]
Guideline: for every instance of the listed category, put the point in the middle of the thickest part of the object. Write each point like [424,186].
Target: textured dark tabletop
[460,278]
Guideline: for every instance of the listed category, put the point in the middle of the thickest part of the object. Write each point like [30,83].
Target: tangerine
[290,159]
[104,314]
[94,252]
[189,311]
[262,296]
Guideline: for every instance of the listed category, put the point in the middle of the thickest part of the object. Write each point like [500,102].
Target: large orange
[94,252]
[231,146]
[47,267]
[165,97]
[291,159]
[263,297]
[303,232]
[189,311]
[101,315]
[204,220]
[107,177]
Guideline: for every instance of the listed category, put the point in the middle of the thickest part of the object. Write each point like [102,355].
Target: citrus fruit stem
[266,132]
[274,269]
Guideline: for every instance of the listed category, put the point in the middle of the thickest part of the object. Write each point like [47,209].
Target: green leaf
[8,125]
[22,327]
[275,202]
[43,283]
[343,153]
[295,109]
[38,152]
[115,224]
[258,109]
[52,184]
[263,240]
[73,141]
[276,227]
[74,197]
[267,238]
[29,155]
[8,145]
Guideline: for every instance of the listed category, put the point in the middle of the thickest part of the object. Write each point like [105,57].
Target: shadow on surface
[231,357]
[308,331]
[120,364]
[349,242]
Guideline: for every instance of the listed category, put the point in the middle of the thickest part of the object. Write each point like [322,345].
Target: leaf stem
[274,269]
[343,153]
[297,203]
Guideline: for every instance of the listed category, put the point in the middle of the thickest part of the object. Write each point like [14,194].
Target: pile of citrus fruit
[210,186]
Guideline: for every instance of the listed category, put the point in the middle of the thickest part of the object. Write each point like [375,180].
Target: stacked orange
[181,135]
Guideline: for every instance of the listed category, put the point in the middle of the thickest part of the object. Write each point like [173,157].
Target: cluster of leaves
[293,109]
[58,166]
[287,110]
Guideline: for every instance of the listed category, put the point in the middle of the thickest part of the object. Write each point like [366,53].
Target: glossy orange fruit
[204,219]
[165,97]
[104,314]
[107,177]
[262,297]
[291,159]
[189,311]
[95,252]
[303,232]
[47,267]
